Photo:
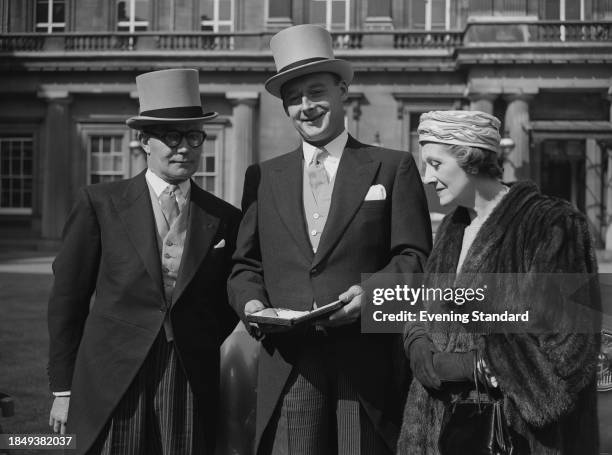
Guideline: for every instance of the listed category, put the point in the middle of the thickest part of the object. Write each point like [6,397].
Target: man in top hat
[137,371]
[315,219]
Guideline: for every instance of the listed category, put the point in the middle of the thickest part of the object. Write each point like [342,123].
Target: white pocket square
[376,193]
[221,244]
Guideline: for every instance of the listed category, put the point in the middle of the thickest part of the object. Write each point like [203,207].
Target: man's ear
[144,142]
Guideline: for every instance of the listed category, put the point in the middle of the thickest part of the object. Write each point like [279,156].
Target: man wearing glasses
[137,371]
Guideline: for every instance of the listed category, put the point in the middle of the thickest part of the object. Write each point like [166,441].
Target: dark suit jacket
[274,263]
[110,247]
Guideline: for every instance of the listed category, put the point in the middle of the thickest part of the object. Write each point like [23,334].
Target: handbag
[475,425]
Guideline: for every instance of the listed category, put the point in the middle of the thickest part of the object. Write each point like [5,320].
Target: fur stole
[548,380]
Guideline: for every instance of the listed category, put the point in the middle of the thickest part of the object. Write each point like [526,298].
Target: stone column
[608,236]
[608,233]
[57,164]
[516,120]
[593,203]
[482,102]
[243,152]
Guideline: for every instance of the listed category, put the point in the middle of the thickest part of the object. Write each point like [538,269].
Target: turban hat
[469,128]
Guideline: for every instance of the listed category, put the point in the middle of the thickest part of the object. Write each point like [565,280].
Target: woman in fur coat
[546,378]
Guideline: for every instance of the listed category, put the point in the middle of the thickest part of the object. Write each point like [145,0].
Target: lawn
[23,352]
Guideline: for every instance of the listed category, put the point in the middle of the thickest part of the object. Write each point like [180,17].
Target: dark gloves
[454,366]
[421,353]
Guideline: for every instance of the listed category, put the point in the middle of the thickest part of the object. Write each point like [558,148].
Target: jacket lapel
[201,230]
[136,214]
[356,172]
[287,181]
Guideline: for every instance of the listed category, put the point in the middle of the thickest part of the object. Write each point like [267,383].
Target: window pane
[318,12]
[209,164]
[551,10]
[16,166]
[106,144]
[339,12]
[438,14]
[42,11]
[479,7]
[16,158]
[379,8]
[572,10]
[58,11]
[418,14]
[225,10]
[142,10]
[279,8]
[27,167]
[207,10]
[122,10]
[210,184]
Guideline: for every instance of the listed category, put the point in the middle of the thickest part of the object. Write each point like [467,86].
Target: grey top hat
[169,96]
[301,50]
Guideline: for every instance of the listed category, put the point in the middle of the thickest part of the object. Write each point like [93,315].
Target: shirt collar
[159,185]
[334,148]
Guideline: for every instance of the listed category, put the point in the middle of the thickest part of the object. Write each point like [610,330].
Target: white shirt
[334,148]
[159,185]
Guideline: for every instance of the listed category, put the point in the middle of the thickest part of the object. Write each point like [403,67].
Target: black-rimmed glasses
[173,138]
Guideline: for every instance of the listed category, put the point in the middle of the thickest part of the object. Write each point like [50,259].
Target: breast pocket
[373,208]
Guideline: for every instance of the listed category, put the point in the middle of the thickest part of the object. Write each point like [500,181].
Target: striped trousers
[319,413]
[157,414]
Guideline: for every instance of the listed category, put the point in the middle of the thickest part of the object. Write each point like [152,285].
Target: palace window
[208,174]
[133,15]
[217,15]
[331,14]
[16,169]
[431,14]
[107,155]
[50,16]
[509,8]
[564,10]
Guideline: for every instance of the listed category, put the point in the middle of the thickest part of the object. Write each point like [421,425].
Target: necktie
[168,203]
[317,174]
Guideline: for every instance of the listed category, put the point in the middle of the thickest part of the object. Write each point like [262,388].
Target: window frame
[105,129]
[32,136]
[328,14]
[214,130]
[131,23]
[216,22]
[49,25]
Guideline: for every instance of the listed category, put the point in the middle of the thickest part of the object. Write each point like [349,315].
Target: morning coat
[274,262]
[110,249]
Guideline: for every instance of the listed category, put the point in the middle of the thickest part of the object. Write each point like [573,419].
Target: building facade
[67,71]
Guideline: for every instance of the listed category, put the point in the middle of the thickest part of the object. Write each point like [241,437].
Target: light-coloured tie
[169,204]
[317,175]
